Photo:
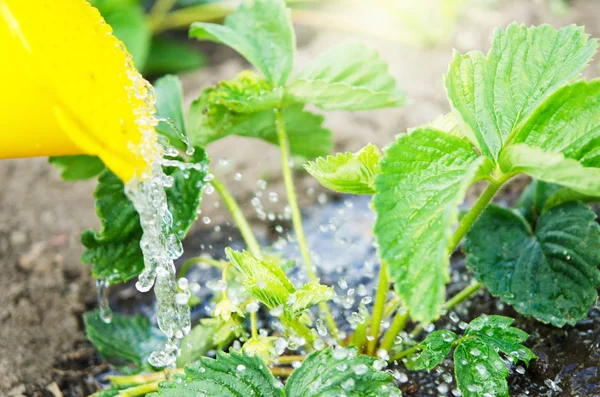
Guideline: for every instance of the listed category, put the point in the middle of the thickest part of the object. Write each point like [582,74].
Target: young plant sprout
[520,109]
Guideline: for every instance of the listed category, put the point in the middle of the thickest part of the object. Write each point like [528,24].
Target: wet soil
[44,288]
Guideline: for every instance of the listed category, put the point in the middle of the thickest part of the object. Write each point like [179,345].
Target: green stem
[378,308]
[199,259]
[462,296]
[405,353]
[253,326]
[451,303]
[469,219]
[183,18]
[159,12]
[397,326]
[140,390]
[238,218]
[296,215]
[245,230]
[138,379]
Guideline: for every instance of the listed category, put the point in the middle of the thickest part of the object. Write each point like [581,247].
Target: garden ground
[44,288]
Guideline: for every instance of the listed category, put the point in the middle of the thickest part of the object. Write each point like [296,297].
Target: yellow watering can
[69,87]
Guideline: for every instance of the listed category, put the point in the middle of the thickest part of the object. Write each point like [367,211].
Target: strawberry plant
[520,109]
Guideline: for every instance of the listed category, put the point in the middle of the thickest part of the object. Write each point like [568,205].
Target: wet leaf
[329,373]
[348,76]
[497,332]
[127,341]
[311,293]
[229,375]
[434,349]
[209,334]
[479,369]
[265,280]
[424,177]
[550,273]
[169,105]
[494,94]
[261,31]
[115,251]
[352,173]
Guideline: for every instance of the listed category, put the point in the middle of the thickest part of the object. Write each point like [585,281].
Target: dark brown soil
[44,288]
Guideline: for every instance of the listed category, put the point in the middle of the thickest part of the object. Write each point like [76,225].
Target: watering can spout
[69,87]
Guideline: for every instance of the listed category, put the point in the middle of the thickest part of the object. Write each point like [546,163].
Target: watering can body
[69,87]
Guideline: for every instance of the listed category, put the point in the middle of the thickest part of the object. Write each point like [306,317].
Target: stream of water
[160,244]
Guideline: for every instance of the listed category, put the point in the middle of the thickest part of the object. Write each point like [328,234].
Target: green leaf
[218,114]
[434,349]
[126,341]
[497,332]
[551,273]
[348,76]
[246,93]
[311,293]
[343,372]
[115,251]
[265,280]
[493,95]
[262,346]
[565,195]
[533,199]
[551,167]
[77,167]
[479,370]
[261,31]
[449,124]
[568,122]
[172,56]
[211,333]
[169,105]
[229,375]
[424,177]
[352,173]
[128,22]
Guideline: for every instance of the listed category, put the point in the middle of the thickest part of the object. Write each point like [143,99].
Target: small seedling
[520,109]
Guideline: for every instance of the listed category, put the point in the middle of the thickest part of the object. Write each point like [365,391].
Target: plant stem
[238,217]
[378,308]
[159,12]
[245,230]
[289,359]
[199,259]
[397,326]
[451,303]
[405,353]
[224,279]
[462,296]
[140,390]
[296,215]
[469,219]
[141,379]
[282,372]
[183,18]
[253,326]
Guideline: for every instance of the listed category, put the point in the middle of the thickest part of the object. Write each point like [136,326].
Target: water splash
[160,244]
[106,313]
